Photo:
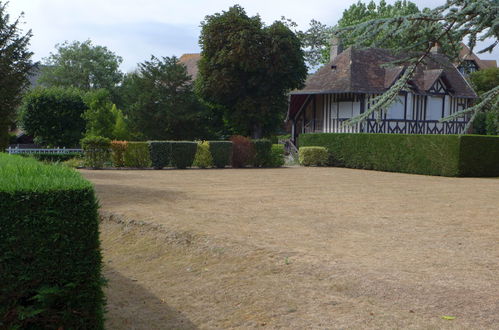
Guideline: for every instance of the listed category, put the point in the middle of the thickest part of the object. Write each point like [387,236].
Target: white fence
[14,151]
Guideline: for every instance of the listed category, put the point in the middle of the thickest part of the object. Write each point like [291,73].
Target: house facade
[346,87]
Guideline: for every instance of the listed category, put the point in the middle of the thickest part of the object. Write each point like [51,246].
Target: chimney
[436,49]
[336,48]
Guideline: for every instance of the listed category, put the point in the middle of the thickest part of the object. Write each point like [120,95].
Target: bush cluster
[50,260]
[277,155]
[313,156]
[203,158]
[446,155]
[263,153]
[221,152]
[183,153]
[137,155]
[97,151]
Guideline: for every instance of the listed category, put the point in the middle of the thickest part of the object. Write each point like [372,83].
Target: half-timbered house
[346,87]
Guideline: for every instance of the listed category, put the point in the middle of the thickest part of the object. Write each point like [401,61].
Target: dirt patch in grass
[299,248]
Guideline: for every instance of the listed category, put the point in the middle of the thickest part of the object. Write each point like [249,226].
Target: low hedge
[137,155]
[313,156]
[50,260]
[277,155]
[160,152]
[243,151]
[118,149]
[203,158]
[183,153]
[446,155]
[263,153]
[221,152]
[97,150]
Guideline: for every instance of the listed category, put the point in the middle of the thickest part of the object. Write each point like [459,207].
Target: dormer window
[468,66]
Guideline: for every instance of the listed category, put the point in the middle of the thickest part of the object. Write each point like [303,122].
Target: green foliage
[243,151]
[419,154]
[12,138]
[313,156]
[15,67]
[54,116]
[263,153]
[54,157]
[118,149]
[96,150]
[203,158]
[183,153]
[277,155]
[484,80]
[81,65]
[137,155]
[160,153]
[99,117]
[120,129]
[160,101]
[221,152]
[247,69]
[50,261]
[74,162]
[479,156]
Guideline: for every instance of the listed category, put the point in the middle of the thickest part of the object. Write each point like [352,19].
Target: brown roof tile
[191,63]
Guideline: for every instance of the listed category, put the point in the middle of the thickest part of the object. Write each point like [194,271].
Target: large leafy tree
[454,21]
[161,103]
[54,116]
[81,65]
[486,122]
[247,69]
[15,66]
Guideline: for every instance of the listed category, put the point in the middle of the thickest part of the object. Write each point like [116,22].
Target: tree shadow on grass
[131,306]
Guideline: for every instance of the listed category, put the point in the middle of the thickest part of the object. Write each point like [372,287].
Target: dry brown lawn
[298,248]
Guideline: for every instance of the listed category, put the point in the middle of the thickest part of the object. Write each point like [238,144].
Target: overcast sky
[135,30]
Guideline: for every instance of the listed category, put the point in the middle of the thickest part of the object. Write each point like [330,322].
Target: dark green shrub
[277,155]
[263,153]
[221,152]
[137,155]
[160,153]
[243,151]
[183,153]
[97,151]
[479,156]
[12,138]
[420,154]
[50,260]
[313,156]
[203,158]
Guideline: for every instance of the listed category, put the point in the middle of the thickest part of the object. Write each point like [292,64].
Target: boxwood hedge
[160,152]
[447,155]
[263,153]
[221,151]
[50,260]
[137,155]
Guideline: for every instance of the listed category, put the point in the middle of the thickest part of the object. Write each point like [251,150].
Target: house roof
[365,71]
[466,54]
[191,63]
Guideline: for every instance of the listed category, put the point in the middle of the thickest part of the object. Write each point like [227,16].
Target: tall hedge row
[446,155]
[50,260]
[160,152]
[221,151]
[183,153]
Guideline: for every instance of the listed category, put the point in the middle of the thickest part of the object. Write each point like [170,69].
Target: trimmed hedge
[203,158]
[263,153]
[183,153]
[446,155]
[50,260]
[277,155]
[160,152]
[96,150]
[313,156]
[137,155]
[221,152]
[118,149]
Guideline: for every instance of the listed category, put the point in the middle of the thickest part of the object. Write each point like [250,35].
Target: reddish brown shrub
[243,152]
[118,149]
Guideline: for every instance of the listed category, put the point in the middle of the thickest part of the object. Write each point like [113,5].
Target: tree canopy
[247,68]
[15,66]
[161,101]
[81,65]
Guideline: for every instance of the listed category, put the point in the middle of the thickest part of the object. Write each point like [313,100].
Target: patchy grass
[299,248]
